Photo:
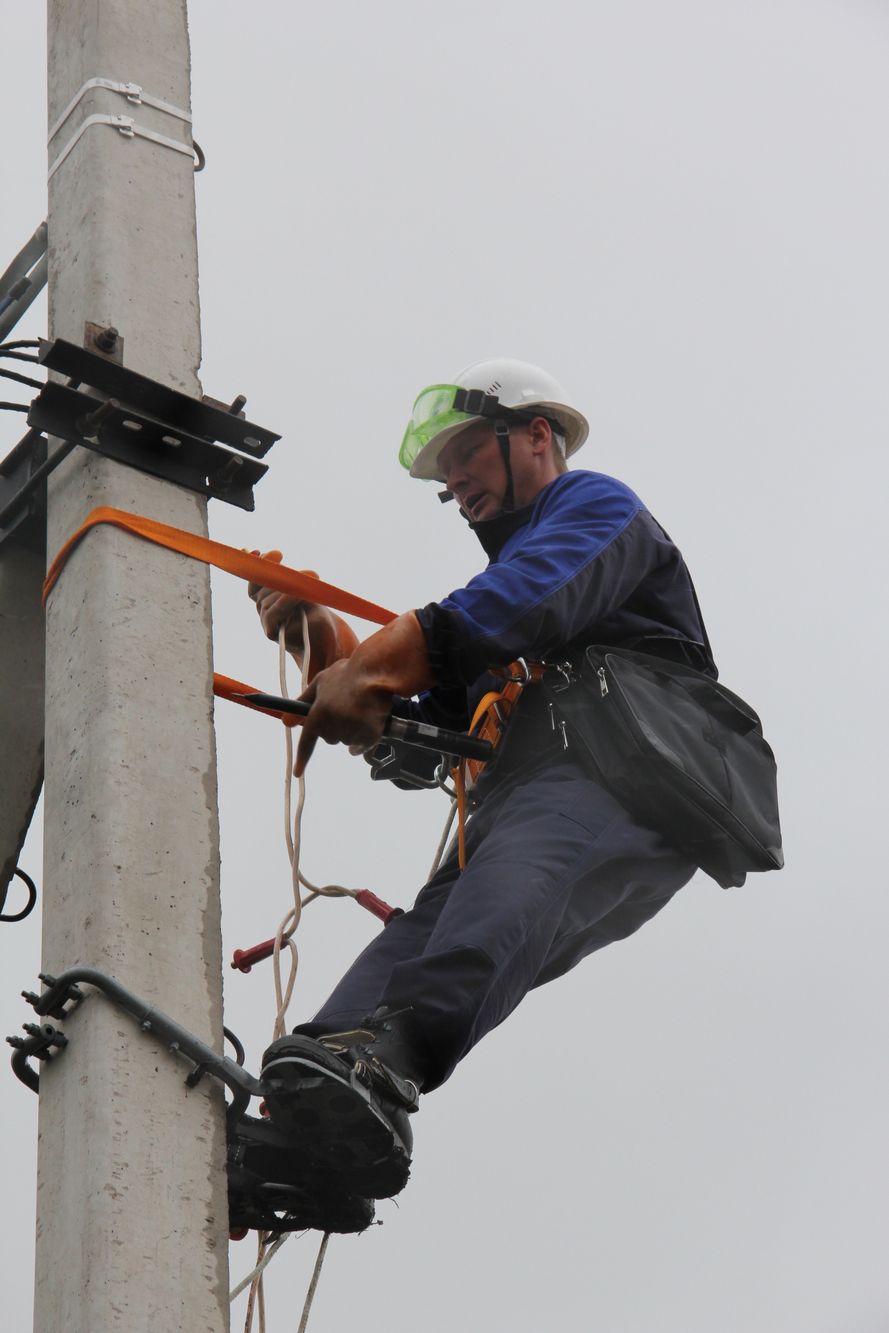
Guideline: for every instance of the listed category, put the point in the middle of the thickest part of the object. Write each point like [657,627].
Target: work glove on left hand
[352,699]
[330,638]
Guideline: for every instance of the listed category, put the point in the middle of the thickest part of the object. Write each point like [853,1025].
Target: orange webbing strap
[254,568]
[226,687]
[488,722]
[460,788]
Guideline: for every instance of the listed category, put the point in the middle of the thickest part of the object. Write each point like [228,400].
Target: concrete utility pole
[132,1217]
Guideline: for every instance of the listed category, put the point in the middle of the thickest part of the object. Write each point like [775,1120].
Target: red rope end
[380,909]
[243,959]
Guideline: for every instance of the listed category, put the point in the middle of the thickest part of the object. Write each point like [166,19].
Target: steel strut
[63,995]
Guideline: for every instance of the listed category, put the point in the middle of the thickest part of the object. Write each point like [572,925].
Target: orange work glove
[330,638]
[351,700]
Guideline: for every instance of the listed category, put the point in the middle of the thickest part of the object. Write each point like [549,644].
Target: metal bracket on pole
[196,443]
[197,416]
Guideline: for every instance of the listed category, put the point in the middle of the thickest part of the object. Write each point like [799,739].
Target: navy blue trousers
[556,869]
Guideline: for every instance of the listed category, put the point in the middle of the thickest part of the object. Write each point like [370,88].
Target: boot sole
[268,1189]
[348,1144]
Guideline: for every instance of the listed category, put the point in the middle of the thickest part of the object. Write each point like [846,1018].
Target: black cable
[29,906]
[19,342]
[19,356]
[21,379]
[240,1055]
[16,407]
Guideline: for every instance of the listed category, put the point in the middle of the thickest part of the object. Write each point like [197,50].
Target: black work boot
[268,1191]
[346,1097]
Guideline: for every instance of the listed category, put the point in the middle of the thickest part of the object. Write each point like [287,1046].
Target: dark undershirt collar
[493,533]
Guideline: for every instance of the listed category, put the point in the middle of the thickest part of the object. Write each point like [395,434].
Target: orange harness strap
[226,687]
[254,568]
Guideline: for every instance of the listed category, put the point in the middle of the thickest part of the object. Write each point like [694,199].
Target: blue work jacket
[585,563]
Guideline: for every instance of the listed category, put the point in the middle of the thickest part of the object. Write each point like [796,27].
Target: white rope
[284,991]
[292,838]
[313,1285]
[268,1256]
[443,841]
[283,937]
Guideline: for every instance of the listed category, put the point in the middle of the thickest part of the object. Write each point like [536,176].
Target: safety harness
[489,722]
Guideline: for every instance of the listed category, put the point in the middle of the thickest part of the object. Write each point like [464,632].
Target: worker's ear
[540,434]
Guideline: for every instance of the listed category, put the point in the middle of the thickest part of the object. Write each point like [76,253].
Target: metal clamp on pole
[126,125]
[42,1040]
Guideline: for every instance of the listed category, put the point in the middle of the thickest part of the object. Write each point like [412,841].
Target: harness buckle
[524,676]
[566,671]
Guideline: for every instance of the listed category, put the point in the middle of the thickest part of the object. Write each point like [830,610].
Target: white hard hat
[442,410]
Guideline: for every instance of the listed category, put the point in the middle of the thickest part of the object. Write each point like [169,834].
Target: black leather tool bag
[682,753]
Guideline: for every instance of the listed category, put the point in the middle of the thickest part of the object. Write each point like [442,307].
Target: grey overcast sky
[681,211]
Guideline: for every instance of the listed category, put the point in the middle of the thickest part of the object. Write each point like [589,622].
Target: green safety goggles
[441,407]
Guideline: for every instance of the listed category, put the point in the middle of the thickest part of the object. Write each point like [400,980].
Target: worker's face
[472,466]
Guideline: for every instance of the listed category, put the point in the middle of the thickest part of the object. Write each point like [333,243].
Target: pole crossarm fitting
[41,1042]
[197,443]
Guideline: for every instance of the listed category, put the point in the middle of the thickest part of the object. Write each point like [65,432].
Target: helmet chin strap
[501,430]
